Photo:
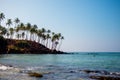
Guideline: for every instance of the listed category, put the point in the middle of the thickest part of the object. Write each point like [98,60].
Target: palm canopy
[17,20]
[2,16]
[9,22]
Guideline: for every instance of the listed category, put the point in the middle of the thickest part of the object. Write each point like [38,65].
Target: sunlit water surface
[59,66]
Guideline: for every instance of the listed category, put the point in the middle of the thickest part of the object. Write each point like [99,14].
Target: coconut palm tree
[53,33]
[2,16]
[9,23]
[35,32]
[18,36]
[17,30]
[23,34]
[47,37]
[56,43]
[11,32]
[53,41]
[61,39]
[39,34]
[21,26]
[49,31]
[17,21]
[43,30]
[8,34]
[28,28]
[44,38]
[3,31]
[32,30]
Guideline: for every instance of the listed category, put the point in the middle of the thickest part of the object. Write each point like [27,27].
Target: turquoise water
[61,63]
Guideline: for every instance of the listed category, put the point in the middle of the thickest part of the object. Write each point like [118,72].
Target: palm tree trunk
[52,47]
[30,37]
[59,45]
[47,43]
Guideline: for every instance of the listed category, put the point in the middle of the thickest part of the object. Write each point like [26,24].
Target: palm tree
[35,32]
[39,34]
[17,30]
[43,30]
[3,30]
[23,34]
[53,41]
[48,31]
[32,30]
[17,21]
[44,38]
[18,36]
[2,16]
[28,28]
[11,32]
[21,26]
[56,43]
[9,23]
[47,38]
[8,34]
[60,42]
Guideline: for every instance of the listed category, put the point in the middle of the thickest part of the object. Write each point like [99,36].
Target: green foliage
[2,30]
[22,44]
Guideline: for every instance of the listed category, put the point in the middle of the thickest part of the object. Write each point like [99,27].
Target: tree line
[21,31]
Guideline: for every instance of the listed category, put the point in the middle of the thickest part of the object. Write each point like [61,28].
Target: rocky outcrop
[35,74]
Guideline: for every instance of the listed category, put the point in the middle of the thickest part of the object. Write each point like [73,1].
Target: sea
[71,66]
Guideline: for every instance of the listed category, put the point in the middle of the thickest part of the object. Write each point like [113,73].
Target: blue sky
[87,25]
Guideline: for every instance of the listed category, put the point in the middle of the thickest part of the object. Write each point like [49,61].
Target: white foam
[3,67]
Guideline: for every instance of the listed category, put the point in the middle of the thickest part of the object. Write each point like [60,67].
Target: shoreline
[6,71]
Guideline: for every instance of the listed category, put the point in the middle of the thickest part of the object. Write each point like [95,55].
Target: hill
[24,46]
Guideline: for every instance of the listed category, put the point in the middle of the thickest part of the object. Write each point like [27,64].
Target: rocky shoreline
[8,72]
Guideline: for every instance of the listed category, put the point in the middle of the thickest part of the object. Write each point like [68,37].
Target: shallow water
[64,66]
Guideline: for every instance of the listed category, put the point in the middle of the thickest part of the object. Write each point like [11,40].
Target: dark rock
[87,71]
[91,71]
[72,71]
[96,71]
[105,78]
[35,74]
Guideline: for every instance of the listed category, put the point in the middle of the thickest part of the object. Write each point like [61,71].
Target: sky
[87,25]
